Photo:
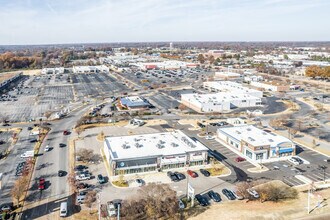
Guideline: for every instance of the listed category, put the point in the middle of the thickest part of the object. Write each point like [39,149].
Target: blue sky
[88,21]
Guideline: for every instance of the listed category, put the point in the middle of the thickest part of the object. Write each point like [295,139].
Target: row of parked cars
[177,176]
[230,194]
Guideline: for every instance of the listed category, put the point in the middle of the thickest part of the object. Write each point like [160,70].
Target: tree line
[317,71]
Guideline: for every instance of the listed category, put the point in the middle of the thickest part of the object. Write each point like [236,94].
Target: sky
[108,21]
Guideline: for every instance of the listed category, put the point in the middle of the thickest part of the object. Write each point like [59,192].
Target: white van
[63,209]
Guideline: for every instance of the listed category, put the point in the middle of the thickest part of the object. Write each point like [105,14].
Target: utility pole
[118,212]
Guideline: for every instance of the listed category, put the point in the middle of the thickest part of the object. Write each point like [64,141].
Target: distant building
[55,70]
[227,75]
[153,152]
[134,102]
[218,102]
[256,144]
[231,87]
[90,69]
[271,86]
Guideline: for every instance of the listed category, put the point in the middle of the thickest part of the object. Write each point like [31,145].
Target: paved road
[47,166]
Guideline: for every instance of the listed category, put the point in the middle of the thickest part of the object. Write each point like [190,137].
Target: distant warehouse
[153,152]
[256,144]
[219,102]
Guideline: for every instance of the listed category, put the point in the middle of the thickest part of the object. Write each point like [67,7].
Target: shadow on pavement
[49,208]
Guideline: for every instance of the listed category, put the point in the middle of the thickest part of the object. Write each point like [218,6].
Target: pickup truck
[83,176]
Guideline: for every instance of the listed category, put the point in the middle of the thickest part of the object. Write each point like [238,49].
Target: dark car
[180,176]
[62,145]
[6,207]
[205,172]
[202,200]
[228,194]
[172,176]
[214,196]
[33,140]
[83,185]
[80,168]
[29,128]
[61,173]
[6,124]
[100,179]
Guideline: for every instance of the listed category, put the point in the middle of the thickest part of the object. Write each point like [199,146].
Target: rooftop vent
[270,140]
[174,144]
[125,146]
[251,139]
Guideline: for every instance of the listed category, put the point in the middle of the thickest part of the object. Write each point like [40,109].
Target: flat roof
[218,97]
[152,145]
[132,101]
[227,73]
[228,86]
[254,135]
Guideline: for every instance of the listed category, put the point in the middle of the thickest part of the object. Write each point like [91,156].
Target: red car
[192,173]
[41,185]
[66,132]
[239,159]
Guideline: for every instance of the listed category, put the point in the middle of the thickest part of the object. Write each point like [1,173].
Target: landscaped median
[217,169]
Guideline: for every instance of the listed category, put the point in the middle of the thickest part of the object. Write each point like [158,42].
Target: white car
[83,177]
[209,137]
[253,193]
[294,161]
[48,148]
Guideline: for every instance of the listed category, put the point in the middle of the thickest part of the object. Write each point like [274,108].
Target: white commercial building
[56,70]
[90,69]
[231,87]
[219,102]
[226,75]
[256,144]
[153,152]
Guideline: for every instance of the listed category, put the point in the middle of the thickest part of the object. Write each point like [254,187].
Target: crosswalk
[315,177]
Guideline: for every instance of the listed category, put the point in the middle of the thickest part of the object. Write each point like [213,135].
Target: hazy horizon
[38,22]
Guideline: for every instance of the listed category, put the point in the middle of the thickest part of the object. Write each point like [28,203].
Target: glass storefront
[135,170]
[172,166]
[196,163]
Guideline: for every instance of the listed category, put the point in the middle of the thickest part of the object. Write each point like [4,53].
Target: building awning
[288,150]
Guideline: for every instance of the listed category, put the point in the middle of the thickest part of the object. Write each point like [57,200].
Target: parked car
[33,140]
[62,145]
[239,159]
[48,148]
[65,132]
[253,193]
[214,196]
[100,179]
[237,195]
[193,174]
[29,128]
[180,176]
[172,176]
[80,168]
[209,137]
[293,160]
[202,200]
[83,185]
[205,172]
[181,204]
[6,207]
[81,196]
[83,176]
[61,173]
[140,182]
[229,194]
[41,185]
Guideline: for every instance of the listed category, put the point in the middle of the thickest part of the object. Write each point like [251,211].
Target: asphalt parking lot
[8,165]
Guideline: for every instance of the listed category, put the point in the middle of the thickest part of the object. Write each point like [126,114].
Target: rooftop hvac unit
[270,140]
[126,146]
[251,139]
[174,144]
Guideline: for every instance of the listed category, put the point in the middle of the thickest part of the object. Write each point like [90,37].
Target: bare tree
[85,154]
[20,186]
[154,201]
[90,199]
